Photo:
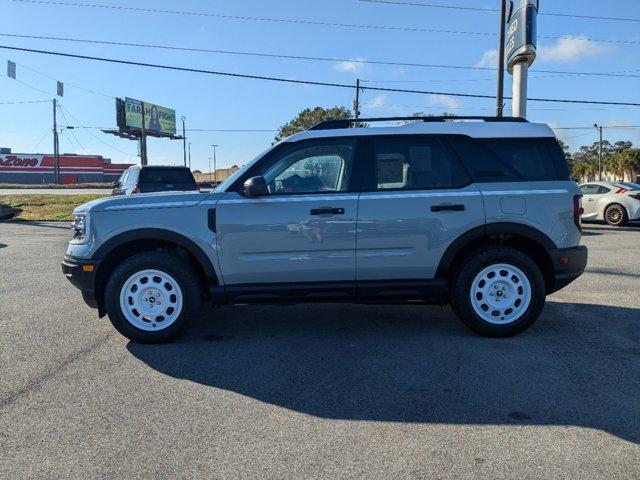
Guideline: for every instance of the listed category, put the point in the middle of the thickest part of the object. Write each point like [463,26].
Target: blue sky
[213,102]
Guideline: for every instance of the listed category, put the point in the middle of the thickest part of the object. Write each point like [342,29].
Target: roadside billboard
[157,119]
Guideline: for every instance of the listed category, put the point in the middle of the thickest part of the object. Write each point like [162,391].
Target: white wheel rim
[500,293]
[151,300]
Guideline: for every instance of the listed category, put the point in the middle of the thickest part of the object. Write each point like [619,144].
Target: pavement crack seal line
[37,382]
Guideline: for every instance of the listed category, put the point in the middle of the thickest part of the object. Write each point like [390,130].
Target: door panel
[304,230]
[401,237]
[277,239]
[419,200]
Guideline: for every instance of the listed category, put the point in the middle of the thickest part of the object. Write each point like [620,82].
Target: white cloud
[489,59]
[380,101]
[444,101]
[572,49]
[355,65]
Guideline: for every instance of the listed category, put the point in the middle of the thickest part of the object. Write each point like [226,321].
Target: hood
[146,200]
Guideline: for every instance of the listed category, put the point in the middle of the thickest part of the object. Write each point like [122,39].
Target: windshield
[229,181]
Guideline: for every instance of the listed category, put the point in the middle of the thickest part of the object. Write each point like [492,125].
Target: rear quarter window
[511,159]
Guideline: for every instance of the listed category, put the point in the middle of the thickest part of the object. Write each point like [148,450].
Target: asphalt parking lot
[321,391]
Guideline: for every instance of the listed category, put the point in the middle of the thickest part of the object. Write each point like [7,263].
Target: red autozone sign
[30,161]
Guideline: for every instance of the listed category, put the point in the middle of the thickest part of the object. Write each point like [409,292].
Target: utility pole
[500,93]
[184,142]
[210,181]
[56,145]
[599,128]
[356,102]
[189,155]
[215,172]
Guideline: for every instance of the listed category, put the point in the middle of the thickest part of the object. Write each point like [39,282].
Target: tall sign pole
[143,140]
[521,44]
[500,93]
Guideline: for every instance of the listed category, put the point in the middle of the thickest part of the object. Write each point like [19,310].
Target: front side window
[417,163]
[315,167]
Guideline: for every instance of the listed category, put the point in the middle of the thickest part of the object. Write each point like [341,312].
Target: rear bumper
[568,264]
[82,275]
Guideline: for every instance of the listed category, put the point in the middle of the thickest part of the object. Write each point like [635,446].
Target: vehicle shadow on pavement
[578,366]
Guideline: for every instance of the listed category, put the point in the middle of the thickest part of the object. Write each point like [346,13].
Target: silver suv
[476,212]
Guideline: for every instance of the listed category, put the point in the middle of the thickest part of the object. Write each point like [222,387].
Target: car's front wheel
[151,296]
[498,292]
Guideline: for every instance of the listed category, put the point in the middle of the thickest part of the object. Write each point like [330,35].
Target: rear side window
[167,176]
[416,164]
[527,156]
[511,159]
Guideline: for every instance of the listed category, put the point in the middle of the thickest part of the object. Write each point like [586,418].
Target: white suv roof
[505,128]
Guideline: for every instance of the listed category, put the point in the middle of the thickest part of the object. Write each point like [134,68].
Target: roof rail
[348,122]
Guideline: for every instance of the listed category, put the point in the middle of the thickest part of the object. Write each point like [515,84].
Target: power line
[56,79]
[301,82]
[297,21]
[24,102]
[95,136]
[302,57]
[491,10]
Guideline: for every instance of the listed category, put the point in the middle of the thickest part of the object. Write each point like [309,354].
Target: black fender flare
[160,234]
[487,230]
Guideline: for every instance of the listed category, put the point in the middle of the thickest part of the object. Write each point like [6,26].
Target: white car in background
[613,202]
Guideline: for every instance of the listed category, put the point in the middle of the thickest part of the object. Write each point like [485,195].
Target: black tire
[181,271]
[616,215]
[466,272]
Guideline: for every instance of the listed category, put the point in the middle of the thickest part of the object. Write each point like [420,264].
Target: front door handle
[443,207]
[327,210]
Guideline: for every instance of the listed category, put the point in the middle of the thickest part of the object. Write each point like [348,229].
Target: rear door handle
[327,210]
[443,207]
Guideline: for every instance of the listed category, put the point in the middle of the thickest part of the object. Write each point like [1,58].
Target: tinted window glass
[312,167]
[527,156]
[417,163]
[602,190]
[177,178]
[558,158]
[482,164]
[589,189]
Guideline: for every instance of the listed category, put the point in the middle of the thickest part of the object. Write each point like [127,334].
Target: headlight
[80,227]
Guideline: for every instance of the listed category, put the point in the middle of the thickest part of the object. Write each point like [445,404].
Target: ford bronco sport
[478,212]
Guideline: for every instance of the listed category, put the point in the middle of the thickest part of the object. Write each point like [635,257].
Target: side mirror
[116,184]
[255,187]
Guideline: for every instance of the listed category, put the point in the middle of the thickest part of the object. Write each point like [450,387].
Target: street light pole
[215,173]
[184,142]
[210,171]
[189,155]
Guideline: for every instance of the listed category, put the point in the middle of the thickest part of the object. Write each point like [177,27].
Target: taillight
[636,196]
[577,211]
[136,189]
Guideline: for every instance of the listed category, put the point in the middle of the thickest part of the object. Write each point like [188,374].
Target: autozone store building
[39,168]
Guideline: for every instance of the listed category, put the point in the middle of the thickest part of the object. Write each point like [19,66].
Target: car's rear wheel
[151,297]
[615,215]
[498,292]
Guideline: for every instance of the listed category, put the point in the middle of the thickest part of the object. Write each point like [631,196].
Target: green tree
[308,117]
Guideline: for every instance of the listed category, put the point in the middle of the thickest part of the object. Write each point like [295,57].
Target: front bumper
[82,274]
[568,264]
